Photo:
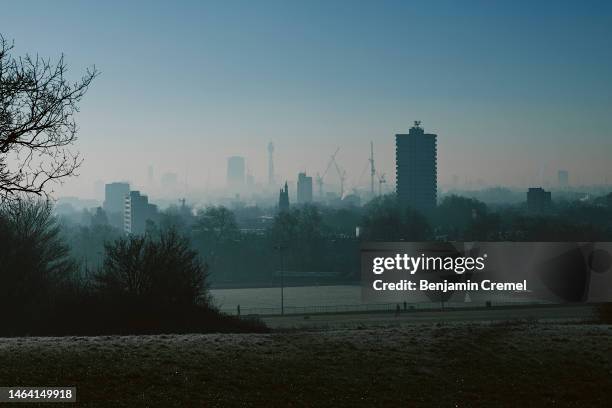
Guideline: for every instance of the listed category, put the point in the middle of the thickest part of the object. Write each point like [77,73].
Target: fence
[376,307]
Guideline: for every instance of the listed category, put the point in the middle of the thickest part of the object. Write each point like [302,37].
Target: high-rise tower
[416,169]
[304,189]
[114,196]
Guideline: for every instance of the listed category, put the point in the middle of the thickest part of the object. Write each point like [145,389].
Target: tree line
[321,239]
[145,284]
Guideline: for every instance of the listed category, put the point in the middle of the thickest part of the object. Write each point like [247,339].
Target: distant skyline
[515,90]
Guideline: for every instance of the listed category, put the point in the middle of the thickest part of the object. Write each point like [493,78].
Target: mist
[182,88]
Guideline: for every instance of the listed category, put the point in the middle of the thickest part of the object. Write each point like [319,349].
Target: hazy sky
[515,90]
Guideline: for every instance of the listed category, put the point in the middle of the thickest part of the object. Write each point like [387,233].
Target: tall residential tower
[416,169]
[137,211]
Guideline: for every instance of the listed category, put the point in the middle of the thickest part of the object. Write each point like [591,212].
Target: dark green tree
[35,265]
[456,214]
[384,219]
[216,235]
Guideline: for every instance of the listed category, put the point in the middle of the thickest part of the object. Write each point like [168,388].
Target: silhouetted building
[538,199]
[137,211]
[563,177]
[114,197]
[283,199]
[416,169]
[304,189]
[235,172]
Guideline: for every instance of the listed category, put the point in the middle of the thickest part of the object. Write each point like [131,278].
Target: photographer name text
[446,286]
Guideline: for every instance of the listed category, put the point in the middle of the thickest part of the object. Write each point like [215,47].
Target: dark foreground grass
[465,365]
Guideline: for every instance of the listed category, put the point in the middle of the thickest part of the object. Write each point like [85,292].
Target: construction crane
[341,176]
[371,165]
[381,181]
[372,169]
[320,178]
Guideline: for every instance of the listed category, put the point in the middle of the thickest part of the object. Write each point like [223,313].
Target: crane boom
[320,178]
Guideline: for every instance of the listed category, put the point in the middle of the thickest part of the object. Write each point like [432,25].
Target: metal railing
[374,307]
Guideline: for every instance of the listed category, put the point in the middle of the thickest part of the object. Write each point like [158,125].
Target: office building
[416,169]
[304,189]
[114,197]
[137,211]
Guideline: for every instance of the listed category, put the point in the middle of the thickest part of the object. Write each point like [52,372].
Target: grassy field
[459,364]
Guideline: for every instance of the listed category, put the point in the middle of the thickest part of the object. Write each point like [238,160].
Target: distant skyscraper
[538,200]
[283,199]
[235,172]
[304,189]
[563,177]
[137,211]
[416,168]
[271,164]
[114,197]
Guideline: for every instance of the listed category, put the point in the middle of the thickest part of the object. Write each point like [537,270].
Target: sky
[515,90]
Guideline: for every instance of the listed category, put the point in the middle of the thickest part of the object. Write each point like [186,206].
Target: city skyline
[515,92]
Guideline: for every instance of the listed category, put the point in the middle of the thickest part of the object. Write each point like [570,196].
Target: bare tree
[37,125]
[165,270]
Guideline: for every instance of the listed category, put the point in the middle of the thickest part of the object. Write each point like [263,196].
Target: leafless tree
[37,122]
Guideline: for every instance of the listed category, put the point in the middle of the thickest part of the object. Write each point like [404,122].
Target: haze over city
[320,203]
[513,94]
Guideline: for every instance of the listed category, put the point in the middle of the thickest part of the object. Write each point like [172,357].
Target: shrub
[164,271]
